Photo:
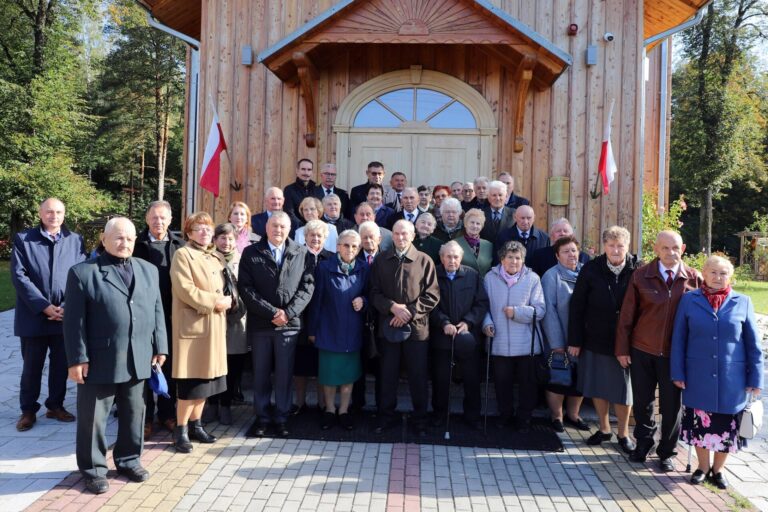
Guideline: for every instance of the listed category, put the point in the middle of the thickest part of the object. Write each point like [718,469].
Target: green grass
[758,290]
[7,293]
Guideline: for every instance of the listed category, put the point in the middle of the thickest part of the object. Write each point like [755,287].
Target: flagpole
[213,108]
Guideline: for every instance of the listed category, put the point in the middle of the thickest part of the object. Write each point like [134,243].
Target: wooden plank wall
[652,114]
[263,119]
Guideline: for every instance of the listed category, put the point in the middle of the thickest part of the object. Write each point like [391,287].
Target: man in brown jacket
[404,290]
[643,339]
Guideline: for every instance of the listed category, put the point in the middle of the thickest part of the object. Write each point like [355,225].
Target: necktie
[370,259]
[397,202]
[409,217]
[496,216]
[275,255]
[327,191]
[670,278]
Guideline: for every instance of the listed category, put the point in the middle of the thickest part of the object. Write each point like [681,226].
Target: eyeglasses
[349,246]
[329,174]
[198,229]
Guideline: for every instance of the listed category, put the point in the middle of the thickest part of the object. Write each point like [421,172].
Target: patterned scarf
[473,241]
[344,267]
[715,297]
[616,269]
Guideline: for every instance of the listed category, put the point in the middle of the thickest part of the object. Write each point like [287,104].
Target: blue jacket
[717,355]
[39,273]
[336,326]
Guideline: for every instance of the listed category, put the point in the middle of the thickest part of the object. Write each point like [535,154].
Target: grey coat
[513,337]
[104,321]
[558,287]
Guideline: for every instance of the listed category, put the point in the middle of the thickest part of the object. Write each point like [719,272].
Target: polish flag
[212,157]
[607,165]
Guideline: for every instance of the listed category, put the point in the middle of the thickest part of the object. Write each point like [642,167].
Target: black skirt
[196,389]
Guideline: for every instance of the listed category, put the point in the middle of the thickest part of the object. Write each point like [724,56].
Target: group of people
[341,286]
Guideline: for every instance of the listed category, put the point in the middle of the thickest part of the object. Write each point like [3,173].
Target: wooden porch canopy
[661,15]
[296,58]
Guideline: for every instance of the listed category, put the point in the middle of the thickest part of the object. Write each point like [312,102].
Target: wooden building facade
[439,89]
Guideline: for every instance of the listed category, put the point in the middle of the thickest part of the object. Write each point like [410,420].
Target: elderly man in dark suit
[275,282]
[498,217]
[114,332]
[456,323]
[327,187]
[40,260]
[404,291]
[157,245]
[524,232]
[274,201]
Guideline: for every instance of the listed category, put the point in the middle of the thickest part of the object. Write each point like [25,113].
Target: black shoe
[557,426]
[599,437]
[437,420]
[181,442]
[134,473]
[257,429]
[346,421]
[474,423]
[329,418]
[718,480]
[97,485]
[282,430]
[699,476]
[295,410]
[198,433]
[210,413]
[419,430]
[666,465]
[578,423]
[640,453]
[626,444]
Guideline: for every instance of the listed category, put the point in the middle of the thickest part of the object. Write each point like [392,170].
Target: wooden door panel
[391,149]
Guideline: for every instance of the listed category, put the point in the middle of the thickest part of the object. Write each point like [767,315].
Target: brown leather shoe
[26,421]
[60,415]
[147,430]
[169,425]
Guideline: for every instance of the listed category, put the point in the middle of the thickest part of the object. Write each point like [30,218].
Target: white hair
[114,221]
[453,244]
[497,185]
[369,225]
[450,203]
[480,179]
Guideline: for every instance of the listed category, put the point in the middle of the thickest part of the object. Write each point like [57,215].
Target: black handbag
[538,365]
[560,369]
[371,348]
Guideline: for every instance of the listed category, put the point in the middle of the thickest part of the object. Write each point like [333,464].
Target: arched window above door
[414,106]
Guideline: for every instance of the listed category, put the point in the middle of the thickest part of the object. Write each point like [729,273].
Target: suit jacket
[259,223]
[515,201]
[342,223]
[141,250]
[40,282]
[357,195]
[319,192]
[537,239]
[383,215]
[265,287]
[490,230]
[115,330]
[400,216]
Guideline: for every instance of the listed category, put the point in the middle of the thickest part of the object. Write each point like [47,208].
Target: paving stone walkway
[37,472]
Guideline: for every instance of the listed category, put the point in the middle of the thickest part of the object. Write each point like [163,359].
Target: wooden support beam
[308,75]
[524,76]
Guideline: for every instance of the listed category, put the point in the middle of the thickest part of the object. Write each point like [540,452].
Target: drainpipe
[193,72]
[664,94]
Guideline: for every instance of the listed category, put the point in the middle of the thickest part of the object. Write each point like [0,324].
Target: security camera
[609,37]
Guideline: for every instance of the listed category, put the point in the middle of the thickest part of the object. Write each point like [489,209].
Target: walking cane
[447,436]
[690,453]
[487,380]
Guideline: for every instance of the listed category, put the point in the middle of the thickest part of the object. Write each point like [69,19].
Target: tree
[717,120]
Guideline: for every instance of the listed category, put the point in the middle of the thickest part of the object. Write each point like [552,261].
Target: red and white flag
[212,157]
[607,165]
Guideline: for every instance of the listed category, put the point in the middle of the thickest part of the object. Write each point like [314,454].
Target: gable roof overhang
[449,22]
[662,15]
[181,15]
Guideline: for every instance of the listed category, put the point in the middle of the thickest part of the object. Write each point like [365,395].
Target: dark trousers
[508,371]
[33,352]
[93,404]
[415,354]
[235,364]
[470,371]
[166,407]
[647,372]
[266,347]
[370,366]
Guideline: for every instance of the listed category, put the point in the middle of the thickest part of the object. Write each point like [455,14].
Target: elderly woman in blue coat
[717,360]
[558,283]
[336,318]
